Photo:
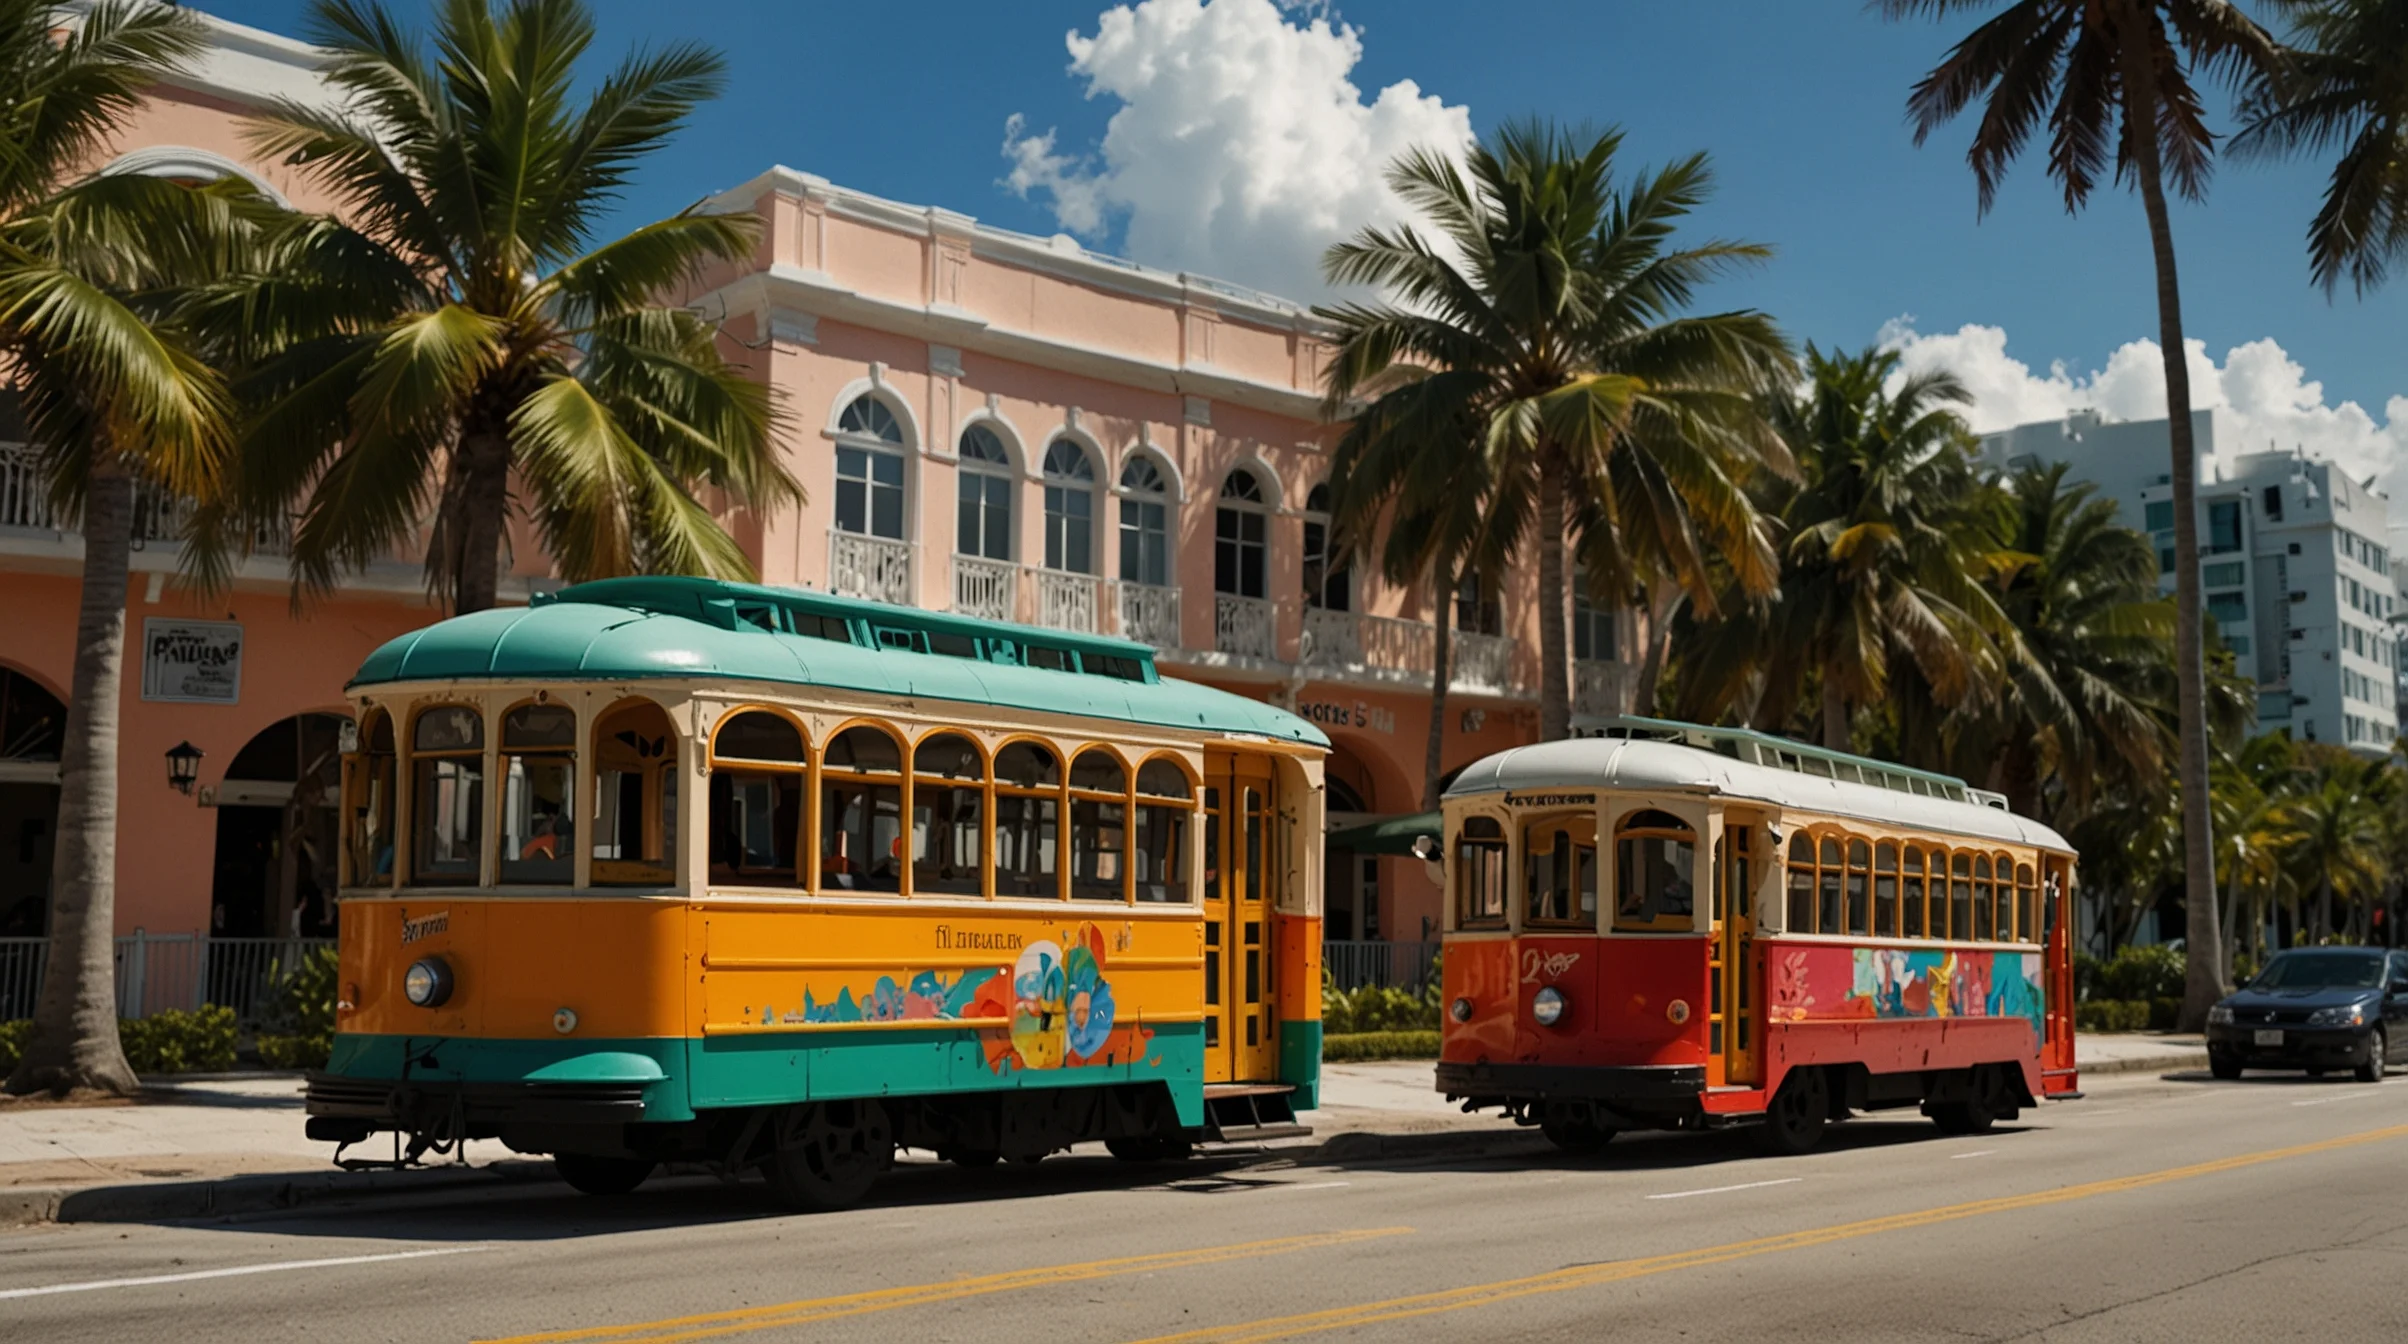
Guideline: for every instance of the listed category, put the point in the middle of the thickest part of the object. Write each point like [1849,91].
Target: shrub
[2164,1012]
[2086,976]
[296,1052]
[1377,1008]
[199,1041]
[2143,973]
[297,1027]
[1379,1045]
[13,1036]
[2114,1015]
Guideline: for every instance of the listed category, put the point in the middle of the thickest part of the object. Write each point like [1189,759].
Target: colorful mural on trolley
[1843,983]
[1058,1004]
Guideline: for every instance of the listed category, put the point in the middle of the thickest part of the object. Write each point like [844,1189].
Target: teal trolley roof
[641,628]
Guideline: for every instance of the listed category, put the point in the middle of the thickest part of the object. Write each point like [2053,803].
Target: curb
[2193,1059]
[149,1201]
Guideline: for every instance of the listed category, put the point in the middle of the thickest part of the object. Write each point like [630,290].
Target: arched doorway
[1350,882]
[276,832]
[33,729]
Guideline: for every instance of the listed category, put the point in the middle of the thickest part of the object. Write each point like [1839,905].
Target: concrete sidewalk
[195,1147]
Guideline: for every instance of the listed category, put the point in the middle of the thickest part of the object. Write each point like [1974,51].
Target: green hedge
[2157,1014]
[298,1032]
[200,1041]
[1377,1008]
[1356,1045]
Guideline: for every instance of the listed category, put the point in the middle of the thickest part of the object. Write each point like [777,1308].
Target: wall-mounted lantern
[183,766]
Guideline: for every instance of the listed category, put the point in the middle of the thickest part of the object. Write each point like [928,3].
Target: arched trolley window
[1655,866]
[948,815]
[757,789]
[861,812]
[370,810]
[1165,804]
[539,795]
[1028,820]
[1099,827]
[447,804]
[635,797]
[1559,872]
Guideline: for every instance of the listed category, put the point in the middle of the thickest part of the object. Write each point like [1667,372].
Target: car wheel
[1794,1122]
[2378,1058]
[2223,1066]
[601,1175]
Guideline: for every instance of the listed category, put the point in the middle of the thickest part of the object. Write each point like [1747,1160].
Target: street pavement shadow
[1667,1150]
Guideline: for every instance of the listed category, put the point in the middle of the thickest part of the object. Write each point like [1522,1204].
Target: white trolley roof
[1643,765]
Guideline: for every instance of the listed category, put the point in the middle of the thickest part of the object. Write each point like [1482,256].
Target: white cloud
[1240,149]
[2265,397]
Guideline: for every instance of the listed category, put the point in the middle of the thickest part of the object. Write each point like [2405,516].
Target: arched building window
[985,529]
[1069,508]
[869,469]
[1145,537]
[1328,582]
[1240,537]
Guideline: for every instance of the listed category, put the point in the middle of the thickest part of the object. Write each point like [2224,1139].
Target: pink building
[988,422]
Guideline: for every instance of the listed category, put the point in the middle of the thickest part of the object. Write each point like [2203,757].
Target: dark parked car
[2316,1008]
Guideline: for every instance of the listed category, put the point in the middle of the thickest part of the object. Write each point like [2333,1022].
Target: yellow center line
[715,1324]
[1587,1276]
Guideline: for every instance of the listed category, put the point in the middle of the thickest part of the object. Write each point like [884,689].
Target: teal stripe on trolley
[657,1062]
[1300,1061]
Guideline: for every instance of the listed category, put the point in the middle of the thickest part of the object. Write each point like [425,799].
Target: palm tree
[2076,708]
[1884,566]
[113,401]
[2344,86]
[1425,501]
[456,335]
[2249,786]
[1548,315]
[2329,832]
[2114,80]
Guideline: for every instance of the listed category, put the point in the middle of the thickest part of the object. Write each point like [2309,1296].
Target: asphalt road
[2181,1210]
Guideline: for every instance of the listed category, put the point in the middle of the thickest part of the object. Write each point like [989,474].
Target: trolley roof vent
[1781,753]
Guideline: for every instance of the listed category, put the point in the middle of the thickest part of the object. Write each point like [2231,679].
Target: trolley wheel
[1573,1136]
[2224,1066]
[1980,1108]
[1150,1148]
[588,1175]
[971,1157]
[1794,1122]
[829,1153]
[2378,1062]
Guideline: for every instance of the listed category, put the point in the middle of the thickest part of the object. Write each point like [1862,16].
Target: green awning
[1388,835]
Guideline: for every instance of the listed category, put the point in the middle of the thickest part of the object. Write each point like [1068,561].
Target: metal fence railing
[1352,965]
[158,971]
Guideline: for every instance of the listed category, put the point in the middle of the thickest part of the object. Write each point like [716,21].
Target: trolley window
[1960,897]
[1480,874]
[756,799]
[1801,884]
[1655,864]
[1559,872]
[1028,800]
[447,765]
[1859,855]
[2027,898]
[372,785]
[948,815]
[1099,827]
[635,797]
[861,812]
[1885,890]
[1165,799]
[1910,911]
[539,795]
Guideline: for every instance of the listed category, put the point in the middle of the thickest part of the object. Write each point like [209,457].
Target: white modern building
[2293,562]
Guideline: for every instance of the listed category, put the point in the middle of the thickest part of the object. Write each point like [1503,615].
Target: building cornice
[246,65]
[787,290]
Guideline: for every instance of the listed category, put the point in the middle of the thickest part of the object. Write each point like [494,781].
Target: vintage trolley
[670,869]
[1670,926]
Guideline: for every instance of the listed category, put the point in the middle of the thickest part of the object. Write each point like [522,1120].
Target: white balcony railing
[988,589]
[1149,614]
[1331,639]
[1602,688]
[877,568]
[24,495]
[158,515]
[1067,601]
[1482,662]
[1244,627]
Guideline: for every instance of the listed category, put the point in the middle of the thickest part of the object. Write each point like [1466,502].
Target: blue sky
[1800,103]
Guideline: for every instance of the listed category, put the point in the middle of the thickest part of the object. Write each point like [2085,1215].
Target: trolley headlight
[427,983]
[1547,1006]
[1460,1010]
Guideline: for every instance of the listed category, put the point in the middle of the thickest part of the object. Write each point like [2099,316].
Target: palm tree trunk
[2204,981]
[74,1042]
[1835,717]
[1554,663]
[2324,910]
[1433,761]
[484,508]
[1660,611]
